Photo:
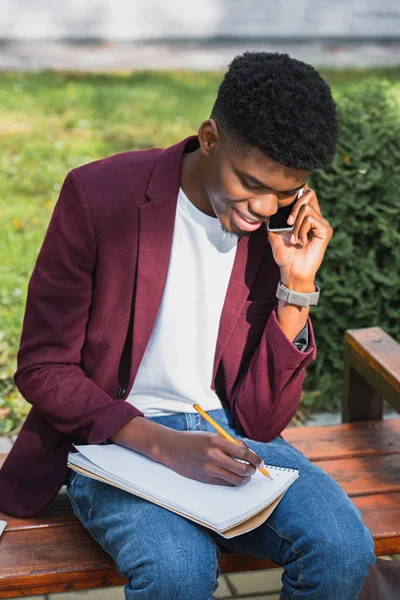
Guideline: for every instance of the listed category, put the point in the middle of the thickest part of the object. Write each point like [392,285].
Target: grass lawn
[53,122]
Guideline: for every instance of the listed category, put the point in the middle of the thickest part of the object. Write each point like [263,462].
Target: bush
[360,196]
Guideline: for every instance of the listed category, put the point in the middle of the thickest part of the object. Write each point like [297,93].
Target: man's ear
[209,138]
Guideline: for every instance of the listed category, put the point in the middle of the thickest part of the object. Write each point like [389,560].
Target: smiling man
[158,286]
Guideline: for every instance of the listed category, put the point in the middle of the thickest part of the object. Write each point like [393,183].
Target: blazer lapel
[155,240]
[156,228]
[249,252]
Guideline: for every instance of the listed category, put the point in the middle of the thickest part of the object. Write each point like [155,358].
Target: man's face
[244,190]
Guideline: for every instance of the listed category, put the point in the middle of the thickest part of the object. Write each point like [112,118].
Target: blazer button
[121,392]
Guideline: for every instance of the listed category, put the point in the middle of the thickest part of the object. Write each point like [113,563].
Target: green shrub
[360,196]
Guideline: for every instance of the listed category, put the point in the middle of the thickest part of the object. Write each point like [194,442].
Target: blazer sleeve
[267,395]
[49,375]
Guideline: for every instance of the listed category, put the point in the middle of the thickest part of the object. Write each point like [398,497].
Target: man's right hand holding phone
[299,254]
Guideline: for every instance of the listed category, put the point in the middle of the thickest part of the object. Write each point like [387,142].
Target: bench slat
[379,352]
[381,514]
[59,512]
[346,441]
[55,565]
[366,475]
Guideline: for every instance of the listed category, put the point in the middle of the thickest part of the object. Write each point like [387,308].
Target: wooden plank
[361,401]
[237,563]
[379,350]
[372,372]
[54,565]
[58,559]
[381,514]
[346,441]
[59,512]
[365,476]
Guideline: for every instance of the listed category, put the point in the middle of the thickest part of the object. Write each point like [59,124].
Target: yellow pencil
[224,433]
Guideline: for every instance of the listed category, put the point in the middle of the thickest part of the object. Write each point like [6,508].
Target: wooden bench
[53,553]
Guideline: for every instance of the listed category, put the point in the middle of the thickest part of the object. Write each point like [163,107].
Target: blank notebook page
[218,506]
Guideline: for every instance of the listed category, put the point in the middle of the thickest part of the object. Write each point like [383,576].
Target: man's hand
[198,455]
[208,457]
[299,254]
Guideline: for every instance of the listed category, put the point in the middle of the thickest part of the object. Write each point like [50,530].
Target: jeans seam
[297,593]
[300,568]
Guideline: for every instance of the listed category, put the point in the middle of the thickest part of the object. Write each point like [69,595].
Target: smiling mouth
[251,221]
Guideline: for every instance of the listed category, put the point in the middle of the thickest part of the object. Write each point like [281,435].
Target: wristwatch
[292,297]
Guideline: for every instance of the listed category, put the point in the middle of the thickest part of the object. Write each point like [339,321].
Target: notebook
[229,511]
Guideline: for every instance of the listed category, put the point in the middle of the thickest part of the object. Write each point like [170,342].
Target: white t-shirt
[176,369]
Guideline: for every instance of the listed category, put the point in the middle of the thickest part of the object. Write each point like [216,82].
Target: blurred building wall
[134,20]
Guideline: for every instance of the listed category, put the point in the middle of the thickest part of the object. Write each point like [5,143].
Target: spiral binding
[288,469]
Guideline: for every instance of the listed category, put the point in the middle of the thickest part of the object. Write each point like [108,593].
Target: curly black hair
[281,106]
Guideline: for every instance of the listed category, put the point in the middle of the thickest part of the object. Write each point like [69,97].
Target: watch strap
[297,298]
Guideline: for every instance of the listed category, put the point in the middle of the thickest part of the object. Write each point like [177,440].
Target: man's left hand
[299,253]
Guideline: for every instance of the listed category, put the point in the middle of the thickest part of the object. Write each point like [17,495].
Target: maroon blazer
[92,302]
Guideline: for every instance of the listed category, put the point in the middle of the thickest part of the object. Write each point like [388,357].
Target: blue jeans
[315,533]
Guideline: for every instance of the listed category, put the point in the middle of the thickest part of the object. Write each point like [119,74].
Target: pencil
[224,433]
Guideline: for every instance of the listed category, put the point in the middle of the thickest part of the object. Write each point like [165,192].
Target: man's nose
[263,206]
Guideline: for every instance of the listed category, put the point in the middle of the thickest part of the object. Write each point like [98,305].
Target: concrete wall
[134,20]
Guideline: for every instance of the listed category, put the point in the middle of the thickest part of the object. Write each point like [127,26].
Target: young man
[156,287]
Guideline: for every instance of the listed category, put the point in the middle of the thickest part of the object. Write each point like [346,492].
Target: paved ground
[198,56]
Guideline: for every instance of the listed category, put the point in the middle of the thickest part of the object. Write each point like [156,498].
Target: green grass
[53,122]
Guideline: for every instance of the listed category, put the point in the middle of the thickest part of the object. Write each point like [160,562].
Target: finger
[308,198]
[217,481]
[221,476]
[306,211]
[223,459]
[262,464]
[235,465]
[238,450]
[320,229]
[305,228]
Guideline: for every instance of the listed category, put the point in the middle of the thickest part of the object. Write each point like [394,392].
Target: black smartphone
[278,222]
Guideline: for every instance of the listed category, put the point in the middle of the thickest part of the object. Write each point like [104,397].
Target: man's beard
[237,235]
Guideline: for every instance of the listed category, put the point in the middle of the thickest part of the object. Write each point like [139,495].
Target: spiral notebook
[229,511]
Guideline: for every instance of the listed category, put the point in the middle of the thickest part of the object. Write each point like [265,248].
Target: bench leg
[361,401]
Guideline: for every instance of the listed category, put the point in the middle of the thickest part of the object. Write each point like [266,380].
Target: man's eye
[287,195]
[247,185]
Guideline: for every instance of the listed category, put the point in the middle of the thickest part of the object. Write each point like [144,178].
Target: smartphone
[278,222]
